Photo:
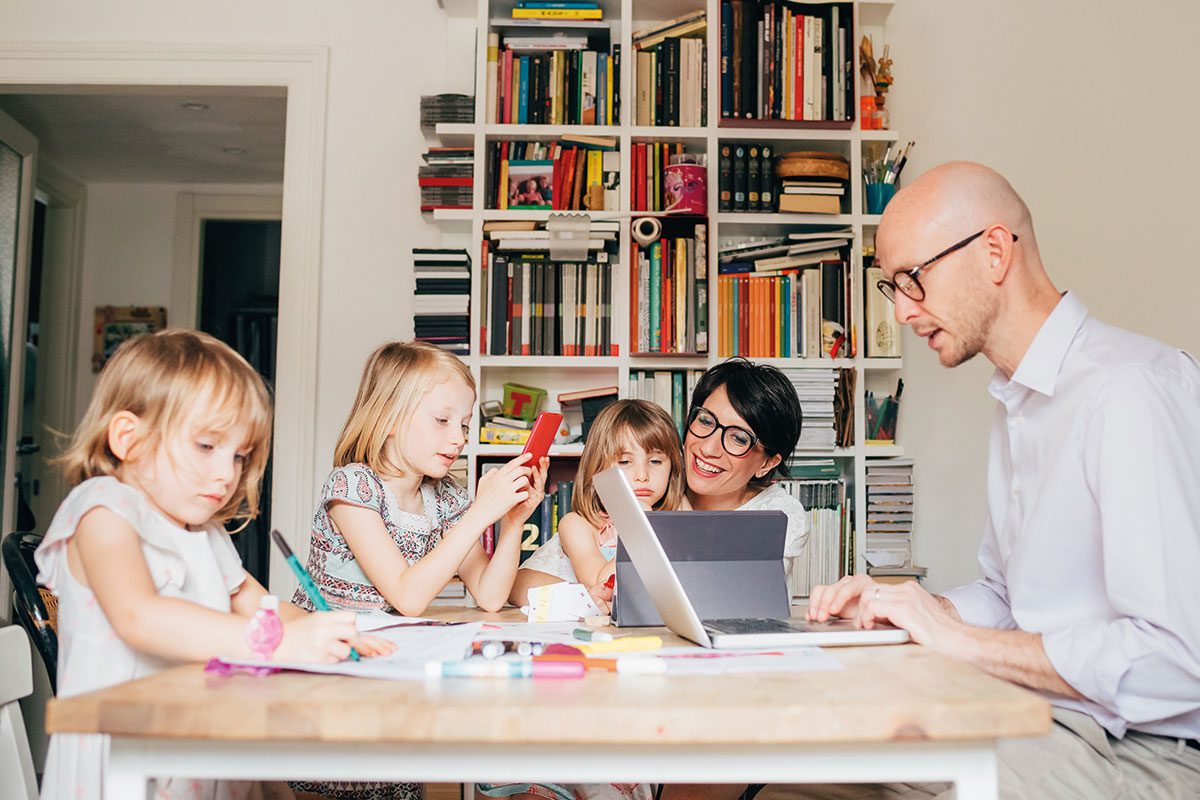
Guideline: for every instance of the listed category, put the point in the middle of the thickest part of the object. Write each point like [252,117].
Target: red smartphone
[545,428]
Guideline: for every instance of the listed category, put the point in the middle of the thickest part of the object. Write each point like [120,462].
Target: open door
[18,152]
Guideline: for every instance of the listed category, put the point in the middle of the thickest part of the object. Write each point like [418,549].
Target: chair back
[36,609]
[16,682]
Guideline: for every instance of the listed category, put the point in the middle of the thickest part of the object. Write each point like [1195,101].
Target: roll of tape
[646,230]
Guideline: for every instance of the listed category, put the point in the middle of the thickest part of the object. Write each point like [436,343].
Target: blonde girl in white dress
[173,445]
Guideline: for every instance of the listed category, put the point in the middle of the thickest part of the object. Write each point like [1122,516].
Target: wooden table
[894,713]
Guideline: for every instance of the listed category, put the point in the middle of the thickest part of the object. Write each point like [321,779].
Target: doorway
[239,304]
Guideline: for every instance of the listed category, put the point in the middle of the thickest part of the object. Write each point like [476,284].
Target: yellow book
[494,434]
[503,204]
[608,100]
[558,13]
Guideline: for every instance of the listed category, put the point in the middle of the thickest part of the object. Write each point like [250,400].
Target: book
[809,204]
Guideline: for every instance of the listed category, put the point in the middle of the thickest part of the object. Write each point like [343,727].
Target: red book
[445,181]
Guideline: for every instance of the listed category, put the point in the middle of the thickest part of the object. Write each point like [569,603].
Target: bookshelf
[464,228]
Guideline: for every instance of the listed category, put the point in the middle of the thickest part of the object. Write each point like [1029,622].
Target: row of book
[442,302]
[447,178]
[829,553]
[816,389]
[672,82]
[539,307]
[889,526]
[746,177]
[571,175]
[669,288]
[787,61]
[552,80]
[801,313]
[670,388]
[666,177]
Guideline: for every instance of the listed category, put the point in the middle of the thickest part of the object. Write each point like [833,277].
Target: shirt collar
[1042,362]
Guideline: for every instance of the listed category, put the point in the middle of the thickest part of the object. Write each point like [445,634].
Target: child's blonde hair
[161,378]
[396,377]
[649,426]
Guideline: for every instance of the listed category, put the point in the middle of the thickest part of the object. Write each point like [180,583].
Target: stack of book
[786,296]
[669,288]
[579,409]
[447,178]
[816,389]
[670,388]
[830,548]
[558,78]
[787,61]
[889,513]
[746,177]
[442,306]
[579,173]
[447,107]
[558,9]
[672,76]
[534,305]
[653,188]
[810,196]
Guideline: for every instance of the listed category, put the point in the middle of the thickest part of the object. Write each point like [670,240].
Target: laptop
[661,581]
[730,564]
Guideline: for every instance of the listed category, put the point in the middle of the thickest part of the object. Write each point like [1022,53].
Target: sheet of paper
[545,632]
[416,645]
[699,661]
[374,620]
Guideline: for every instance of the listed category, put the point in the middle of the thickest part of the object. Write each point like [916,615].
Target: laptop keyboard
[749,626]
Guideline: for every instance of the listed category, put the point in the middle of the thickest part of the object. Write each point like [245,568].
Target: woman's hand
[499,490]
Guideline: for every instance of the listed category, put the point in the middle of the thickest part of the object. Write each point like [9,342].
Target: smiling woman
[743,426]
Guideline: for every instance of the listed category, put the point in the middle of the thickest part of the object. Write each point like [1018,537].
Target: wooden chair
[36,609]
[16,681]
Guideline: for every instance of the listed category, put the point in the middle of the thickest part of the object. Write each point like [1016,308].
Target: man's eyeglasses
[736,441]
[907,282]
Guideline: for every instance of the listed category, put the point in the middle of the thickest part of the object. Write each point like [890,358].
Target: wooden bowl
[812,164]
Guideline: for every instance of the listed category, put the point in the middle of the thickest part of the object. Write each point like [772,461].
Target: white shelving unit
[557,374]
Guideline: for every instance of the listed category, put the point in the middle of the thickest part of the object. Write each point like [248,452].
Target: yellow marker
[625,644]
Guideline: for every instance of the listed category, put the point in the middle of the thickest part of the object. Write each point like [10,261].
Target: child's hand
[501,489]
[371,646]
[322,637]
[521,511]
[602,596]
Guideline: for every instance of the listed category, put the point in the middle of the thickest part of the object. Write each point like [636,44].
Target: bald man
[1091,553]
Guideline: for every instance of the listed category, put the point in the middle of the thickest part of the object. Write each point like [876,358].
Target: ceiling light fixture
[191,105]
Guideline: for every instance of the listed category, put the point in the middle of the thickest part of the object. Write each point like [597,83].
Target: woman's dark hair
[765,398]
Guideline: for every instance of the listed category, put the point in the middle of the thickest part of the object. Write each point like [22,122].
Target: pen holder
[881,419]
[878,196]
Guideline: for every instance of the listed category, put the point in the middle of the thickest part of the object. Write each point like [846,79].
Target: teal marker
[305,579]
[592,636]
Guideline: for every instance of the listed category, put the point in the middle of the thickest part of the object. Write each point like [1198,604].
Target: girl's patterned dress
[345,585]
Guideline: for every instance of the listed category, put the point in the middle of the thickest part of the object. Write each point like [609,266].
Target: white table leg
[126,776]
[977,777]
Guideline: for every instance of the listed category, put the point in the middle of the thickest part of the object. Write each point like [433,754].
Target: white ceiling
[152,138]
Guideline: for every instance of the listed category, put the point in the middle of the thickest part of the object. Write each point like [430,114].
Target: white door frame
[25,146]
[192,209]
[58,355]
[303,72]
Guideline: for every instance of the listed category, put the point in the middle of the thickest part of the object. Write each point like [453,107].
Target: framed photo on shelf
[115,324]
[530,184]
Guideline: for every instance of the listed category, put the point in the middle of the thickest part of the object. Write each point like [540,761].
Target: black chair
[36,609]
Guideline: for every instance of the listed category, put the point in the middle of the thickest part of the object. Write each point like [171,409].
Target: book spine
[655,290]
[740,168]
[766,188]
[493,55]
[523,91]
[726,58]
[725,179]
[753,178]
[701,270]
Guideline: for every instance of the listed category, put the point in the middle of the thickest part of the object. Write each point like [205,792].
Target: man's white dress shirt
[1093,530]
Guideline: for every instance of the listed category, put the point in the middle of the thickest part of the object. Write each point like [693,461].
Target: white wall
[129,254]
[1089,109]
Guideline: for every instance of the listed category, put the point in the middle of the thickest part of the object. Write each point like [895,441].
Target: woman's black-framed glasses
[908,283]
[736,441]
